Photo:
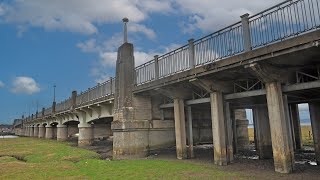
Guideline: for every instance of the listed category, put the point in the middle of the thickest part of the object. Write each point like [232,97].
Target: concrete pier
[190,132]
[85,135]
[263,133]
[314,108]
[180,129]
[49,132]
[283,154]
[62,132]
[31,131]
[218,128]
[296,127]
[36,131]
[242,134]
[42,131]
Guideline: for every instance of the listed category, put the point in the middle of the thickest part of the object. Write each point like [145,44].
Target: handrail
[282,21]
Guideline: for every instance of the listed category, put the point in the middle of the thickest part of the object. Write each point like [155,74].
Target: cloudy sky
[73,43]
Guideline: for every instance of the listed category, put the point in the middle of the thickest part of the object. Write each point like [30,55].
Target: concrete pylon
[241,122]
[85,134]
[314,108]
[180,129]
[42,131]
[218,128]
[283,153]
[132,113]
[49,132]
[31,131]
[62,132]
[296,127]
[263,133]
[36,131]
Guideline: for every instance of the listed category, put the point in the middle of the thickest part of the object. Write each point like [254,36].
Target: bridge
[268,62]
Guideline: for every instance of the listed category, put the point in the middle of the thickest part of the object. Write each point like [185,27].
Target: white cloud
[78,15]
[142,29]
[210,15]
[25,85]
[1,84]
[89,46]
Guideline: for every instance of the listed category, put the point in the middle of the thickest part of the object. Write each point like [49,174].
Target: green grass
[27,158]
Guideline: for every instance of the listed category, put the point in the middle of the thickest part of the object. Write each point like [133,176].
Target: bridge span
[268,62]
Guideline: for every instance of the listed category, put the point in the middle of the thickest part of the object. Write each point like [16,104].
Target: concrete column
[180,129]
[62,132]
[242,134]
[283,154]
[49,132]
[42,131]
[218,128]
[315,123]
[31,131]
[190,133]
[36,131]
[229,115]
[85,134]
[263,133]
[294,113]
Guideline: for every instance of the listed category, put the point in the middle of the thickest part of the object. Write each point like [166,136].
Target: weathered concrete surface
[218,128]
[35,131]
[42,131]
[180,129]
[72,130]
[102,131]
[283,153]
[296,127]
[62,132]
[263,133]
[31,131]
[315,123]
[85,135]
[49,132]
[241,129]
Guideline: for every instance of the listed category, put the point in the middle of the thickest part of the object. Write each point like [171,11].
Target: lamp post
[125,30]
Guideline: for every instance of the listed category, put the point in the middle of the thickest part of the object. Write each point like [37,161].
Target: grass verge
[27,158]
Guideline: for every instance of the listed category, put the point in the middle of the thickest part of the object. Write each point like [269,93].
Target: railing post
[54,107]
[43,109]
[191,54]
[74,99]
[156,66]
[246,32]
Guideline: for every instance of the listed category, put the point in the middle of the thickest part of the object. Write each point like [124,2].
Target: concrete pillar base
[315,123]
[130,139]
[49,132]
[36,131]
[180,129]
[62,132]
[242,134]
[42,132]
[85,135]
[218,129]
[282,145]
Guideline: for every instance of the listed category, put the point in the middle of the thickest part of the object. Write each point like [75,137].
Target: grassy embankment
[306,131]
[27,158]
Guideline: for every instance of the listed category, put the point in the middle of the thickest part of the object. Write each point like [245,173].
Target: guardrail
[99,91]
[282,21]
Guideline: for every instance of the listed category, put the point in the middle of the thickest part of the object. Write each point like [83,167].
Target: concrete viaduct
[269,62]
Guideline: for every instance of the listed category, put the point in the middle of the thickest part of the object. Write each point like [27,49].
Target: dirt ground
[246,163]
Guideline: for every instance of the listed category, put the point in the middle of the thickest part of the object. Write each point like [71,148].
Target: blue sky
[73,43]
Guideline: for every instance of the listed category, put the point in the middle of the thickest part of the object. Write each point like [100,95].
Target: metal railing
[284,21]
[280,22]
[64,105]
[99,91]
[48,111]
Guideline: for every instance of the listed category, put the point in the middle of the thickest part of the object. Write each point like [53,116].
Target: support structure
[42,131]
[62,132]
[283,153]
[263,133]
[49,132]
[180,129]
[35,131]
[218,128]
[190,133]
[85,134]
[296,127]
[314,108]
